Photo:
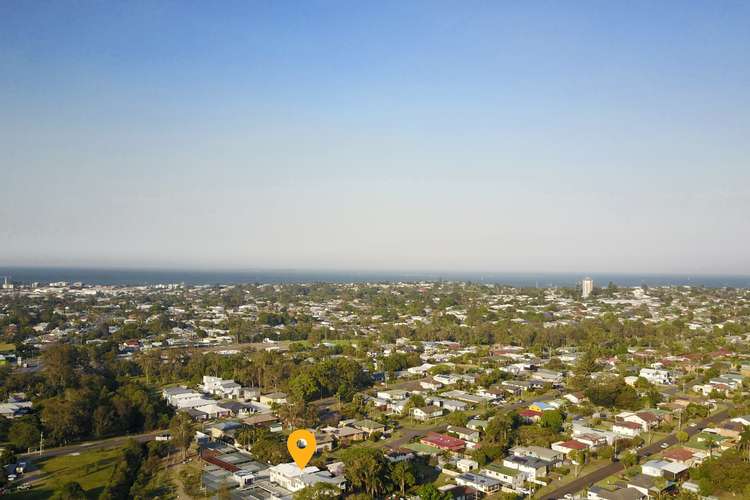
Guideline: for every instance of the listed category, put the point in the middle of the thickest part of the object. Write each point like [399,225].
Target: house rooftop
[679,454]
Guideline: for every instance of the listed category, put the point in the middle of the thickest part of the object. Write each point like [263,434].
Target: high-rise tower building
[587,286]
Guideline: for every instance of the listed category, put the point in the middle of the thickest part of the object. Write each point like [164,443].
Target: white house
[175,394]
[397,407]
[590,436]
[430,385]
[288,475]
[273,398]
[426,413]
[466,465]
[531,467]
[511,478]
[645,419]
[194,402]
[213,410]
[421,369]
[657,376]
[575,397]
[464,433]
[654,468]
[448,404]
[569,446]
[294,479]
[539,452]
[15,409]
[393,395]
[446,379]
[220,387]
[479,482]
[627,429]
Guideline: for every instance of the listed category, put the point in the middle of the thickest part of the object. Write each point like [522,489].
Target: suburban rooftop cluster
[413,390]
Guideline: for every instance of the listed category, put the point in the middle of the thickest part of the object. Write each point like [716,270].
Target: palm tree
[402,475]
[366,469]
[711,443]
[579,459]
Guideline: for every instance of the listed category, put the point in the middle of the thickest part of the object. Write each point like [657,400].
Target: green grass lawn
[586,469]
[91,470]
[610,482]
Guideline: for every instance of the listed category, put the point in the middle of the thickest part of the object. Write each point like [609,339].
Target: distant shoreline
[111,276]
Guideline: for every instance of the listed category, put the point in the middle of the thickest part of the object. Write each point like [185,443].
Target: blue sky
[494,136]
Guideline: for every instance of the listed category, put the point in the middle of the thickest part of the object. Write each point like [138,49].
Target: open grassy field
[7,347]
[91,470]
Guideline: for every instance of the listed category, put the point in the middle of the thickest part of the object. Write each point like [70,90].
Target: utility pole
[41,443]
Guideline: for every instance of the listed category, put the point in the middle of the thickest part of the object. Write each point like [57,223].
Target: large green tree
[182,430]
[430,492]
[24,434]
[366,470]
[70,491]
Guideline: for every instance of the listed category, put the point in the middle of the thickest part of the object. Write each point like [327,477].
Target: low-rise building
[278,398]
[531,467]
[627,429]
[464,433]
[292,478]
[443,442]
[220,387]
[479,482]
[568,447]
[599,493]
[426,413]
[15,409]
[657,376]
[511,478]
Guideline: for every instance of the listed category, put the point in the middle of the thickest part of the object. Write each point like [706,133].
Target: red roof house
[443,441]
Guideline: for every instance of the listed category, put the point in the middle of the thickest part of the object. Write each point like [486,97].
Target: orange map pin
[301,446]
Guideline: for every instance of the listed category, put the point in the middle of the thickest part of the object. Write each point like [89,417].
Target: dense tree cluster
[133,473]
[728,473]
[613,393]
[83,392]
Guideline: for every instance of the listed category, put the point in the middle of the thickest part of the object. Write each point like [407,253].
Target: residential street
[91,445]
[615,467]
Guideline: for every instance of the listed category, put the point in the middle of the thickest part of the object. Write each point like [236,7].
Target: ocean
[102,276]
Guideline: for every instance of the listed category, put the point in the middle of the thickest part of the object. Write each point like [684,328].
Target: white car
[664,445]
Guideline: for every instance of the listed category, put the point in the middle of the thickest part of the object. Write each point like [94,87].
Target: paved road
[91,445]
[615,467]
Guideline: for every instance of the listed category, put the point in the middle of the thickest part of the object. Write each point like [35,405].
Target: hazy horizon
[341,270]
[153,276]
[483,137]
